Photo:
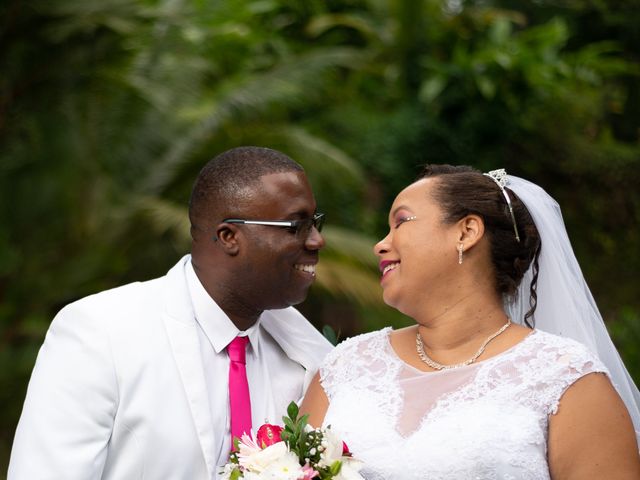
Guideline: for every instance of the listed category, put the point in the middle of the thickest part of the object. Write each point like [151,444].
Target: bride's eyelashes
[402,219]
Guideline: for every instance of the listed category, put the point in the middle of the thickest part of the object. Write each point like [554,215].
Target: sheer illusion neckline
[392,352]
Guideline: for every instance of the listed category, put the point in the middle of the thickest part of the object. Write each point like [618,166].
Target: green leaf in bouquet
[236,447]
[235,474]
[303,420]
[335,467]
[303,449]
[289,425]
[292,411]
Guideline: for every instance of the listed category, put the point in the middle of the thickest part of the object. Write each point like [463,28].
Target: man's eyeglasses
[302,227]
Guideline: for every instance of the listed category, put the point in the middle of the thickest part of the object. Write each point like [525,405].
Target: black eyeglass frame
[301,225]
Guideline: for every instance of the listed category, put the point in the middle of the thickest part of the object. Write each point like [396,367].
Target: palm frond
[320,158]
[350,245]
[164,216]
[343,279]
[319,154]
[289,84]
[366,26]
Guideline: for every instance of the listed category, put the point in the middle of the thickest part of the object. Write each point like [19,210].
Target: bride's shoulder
[357,350]
[558,358]
[559,346]
[362,342]
[550,364]
[362,360]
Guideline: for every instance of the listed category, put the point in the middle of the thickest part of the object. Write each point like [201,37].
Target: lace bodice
[487,420]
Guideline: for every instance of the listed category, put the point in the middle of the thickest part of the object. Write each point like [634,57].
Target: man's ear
[227,237]
[471,230]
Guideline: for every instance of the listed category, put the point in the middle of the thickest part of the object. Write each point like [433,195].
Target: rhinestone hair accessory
[500,177]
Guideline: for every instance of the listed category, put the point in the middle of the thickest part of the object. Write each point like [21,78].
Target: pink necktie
[239,399]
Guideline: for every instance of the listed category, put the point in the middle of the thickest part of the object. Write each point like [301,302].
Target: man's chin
[296,299]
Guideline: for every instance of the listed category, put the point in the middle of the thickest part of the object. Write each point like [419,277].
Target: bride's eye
[400,220]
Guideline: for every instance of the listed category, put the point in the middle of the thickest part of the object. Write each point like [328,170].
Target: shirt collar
[217,326]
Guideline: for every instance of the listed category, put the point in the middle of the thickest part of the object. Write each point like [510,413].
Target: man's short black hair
[223,179]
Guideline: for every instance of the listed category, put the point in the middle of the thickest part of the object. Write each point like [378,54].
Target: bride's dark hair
[463,190]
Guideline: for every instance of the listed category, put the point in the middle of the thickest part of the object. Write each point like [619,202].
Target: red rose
[268,435]
[345,450]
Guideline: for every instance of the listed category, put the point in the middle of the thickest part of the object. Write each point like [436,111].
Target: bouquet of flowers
[295,452]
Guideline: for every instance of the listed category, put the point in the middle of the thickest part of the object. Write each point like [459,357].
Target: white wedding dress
[487,420]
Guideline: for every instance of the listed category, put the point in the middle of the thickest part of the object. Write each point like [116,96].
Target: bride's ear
[470,230]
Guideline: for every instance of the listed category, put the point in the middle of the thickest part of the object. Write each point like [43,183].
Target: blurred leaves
[109,109]
[625,331]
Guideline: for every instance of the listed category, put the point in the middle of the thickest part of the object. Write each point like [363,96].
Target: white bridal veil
[565,304]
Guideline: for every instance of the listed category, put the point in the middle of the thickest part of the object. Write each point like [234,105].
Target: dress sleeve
[337,368]
[70,405]
[358,360]
[571,363]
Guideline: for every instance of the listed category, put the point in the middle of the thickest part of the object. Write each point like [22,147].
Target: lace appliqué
[487,420]
[358,364]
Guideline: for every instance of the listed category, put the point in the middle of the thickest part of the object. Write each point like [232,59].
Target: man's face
[276,266]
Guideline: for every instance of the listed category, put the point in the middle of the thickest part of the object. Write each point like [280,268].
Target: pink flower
[268,435]
[309,472]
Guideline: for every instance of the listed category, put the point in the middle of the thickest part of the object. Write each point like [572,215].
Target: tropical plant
[108,110]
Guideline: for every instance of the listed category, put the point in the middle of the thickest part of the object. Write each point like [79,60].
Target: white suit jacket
[118,390]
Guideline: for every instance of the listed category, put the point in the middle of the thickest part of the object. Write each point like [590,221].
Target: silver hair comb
[500,177]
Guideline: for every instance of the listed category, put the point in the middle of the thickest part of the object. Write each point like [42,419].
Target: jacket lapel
[299,340]
[181,326]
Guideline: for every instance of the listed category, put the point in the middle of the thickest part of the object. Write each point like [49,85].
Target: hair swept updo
[463,190]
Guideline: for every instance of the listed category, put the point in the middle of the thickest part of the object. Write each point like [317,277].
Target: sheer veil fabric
[565,304]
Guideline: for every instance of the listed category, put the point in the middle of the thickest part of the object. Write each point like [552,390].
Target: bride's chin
[405,306]
[391,300]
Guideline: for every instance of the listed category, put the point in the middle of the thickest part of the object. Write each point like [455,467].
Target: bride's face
[418,256]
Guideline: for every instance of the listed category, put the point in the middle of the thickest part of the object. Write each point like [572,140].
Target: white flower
[247,446]
[332,449]
[333,452]
[260,460]
[350,469]
[251,476]
[284,468]
[228,468]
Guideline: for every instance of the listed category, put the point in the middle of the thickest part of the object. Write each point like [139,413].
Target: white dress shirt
[274,379]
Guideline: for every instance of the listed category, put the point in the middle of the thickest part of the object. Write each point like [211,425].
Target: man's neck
[243,315]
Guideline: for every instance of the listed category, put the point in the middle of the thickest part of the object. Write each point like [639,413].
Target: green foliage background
[109,109]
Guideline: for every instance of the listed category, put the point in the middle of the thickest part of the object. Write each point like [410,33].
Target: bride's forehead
[417,192]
